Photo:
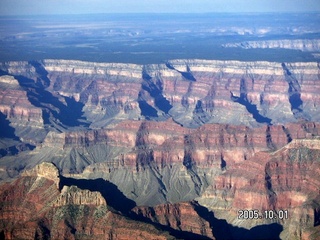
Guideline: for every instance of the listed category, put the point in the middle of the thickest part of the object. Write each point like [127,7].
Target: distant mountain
[133,38]
[308,45]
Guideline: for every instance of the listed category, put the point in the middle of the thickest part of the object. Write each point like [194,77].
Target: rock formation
[182,146]
[33,207]
[287,179]
[44,170]
[179,216]
[308,45]
[23,116]
[192,92]
[154,162]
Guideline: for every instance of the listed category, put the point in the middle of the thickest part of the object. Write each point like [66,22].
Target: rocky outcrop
[284,180]
[74,196]
[233,135]
[44,170]
[109,91]
[24,117]
[155,162]
[180,216]
[192,92]
[33,207]
[307,45]
[260,83]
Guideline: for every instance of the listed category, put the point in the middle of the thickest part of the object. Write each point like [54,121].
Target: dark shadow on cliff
[69,113]
[155,90]
[114,197]
[43,230]
[251,108]
[186,75]
[119,202]
[43,80]
[294,92]
[199,115]
[176,233]
[147,110]
[2,236]
[16,149]
[222,230]
[6,130]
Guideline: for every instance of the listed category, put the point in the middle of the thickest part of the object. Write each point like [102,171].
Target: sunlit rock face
[193,92]
[182,216]
[34,207]
[308,45]
[23,116]
[286,179]
[154,162]
[231,135]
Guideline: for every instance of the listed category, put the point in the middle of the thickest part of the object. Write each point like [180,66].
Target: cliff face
[193,92]
[33,207]
[154,162]
[15,102]
[24,117]
[308,45]
[232,135]
[287,179]
[179,216]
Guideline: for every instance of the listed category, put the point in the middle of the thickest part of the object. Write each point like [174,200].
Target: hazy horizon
[55,7]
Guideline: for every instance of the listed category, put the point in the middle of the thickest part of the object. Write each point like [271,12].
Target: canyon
[192,92]
[33,206]
[160,151]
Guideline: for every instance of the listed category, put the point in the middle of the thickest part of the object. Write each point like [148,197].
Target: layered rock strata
[193,92]
[155,162]
[308,45]
[33,207]
[284,180]
[180,216]
[23,116]
[233,135]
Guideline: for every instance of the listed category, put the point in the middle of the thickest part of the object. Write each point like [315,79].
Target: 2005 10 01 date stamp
[266,214]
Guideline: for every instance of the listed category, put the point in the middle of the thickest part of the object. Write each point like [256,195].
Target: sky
[36,7]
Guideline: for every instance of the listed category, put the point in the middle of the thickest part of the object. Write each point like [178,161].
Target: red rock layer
[17,108]
[168,141]
[179,216]
[33,207]
[196,91]
[287,179]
